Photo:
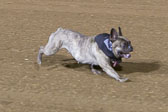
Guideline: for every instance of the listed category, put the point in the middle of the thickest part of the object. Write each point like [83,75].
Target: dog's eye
[124,45]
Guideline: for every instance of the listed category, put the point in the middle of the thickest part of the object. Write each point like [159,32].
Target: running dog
[99,50]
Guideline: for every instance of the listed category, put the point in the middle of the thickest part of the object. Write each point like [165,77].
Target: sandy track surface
[62,85]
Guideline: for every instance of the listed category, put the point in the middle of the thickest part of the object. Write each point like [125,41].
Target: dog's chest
[83,54]
[88,59]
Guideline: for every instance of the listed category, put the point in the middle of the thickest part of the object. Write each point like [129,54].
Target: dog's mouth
[127,55]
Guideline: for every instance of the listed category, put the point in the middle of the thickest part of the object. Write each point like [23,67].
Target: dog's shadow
[142,67]
[125,67]
[55,61]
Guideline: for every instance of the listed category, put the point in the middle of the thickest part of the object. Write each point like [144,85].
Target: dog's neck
[105,45]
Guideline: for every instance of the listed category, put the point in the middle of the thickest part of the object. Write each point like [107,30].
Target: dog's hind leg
[51,48]
[97,72]
[40,53]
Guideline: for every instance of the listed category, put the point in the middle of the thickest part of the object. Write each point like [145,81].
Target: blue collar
[105,45]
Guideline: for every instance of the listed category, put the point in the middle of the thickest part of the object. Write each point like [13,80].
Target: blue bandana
[105,45]
[108,44]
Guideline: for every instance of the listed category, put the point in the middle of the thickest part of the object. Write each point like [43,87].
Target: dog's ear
[113,35]
[120,33]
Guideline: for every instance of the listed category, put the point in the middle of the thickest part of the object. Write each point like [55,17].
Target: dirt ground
[62,85]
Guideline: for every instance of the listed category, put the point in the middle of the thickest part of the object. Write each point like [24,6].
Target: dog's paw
[123,79]
[96,72]
[39,61]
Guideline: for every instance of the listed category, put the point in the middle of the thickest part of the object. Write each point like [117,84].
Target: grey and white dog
[85,49]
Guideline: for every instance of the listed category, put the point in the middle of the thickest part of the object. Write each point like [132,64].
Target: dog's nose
[131,48]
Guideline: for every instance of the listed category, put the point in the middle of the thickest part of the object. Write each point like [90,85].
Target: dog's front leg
[111,72]
[104,63]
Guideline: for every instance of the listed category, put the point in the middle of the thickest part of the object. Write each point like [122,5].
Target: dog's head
[121,45]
